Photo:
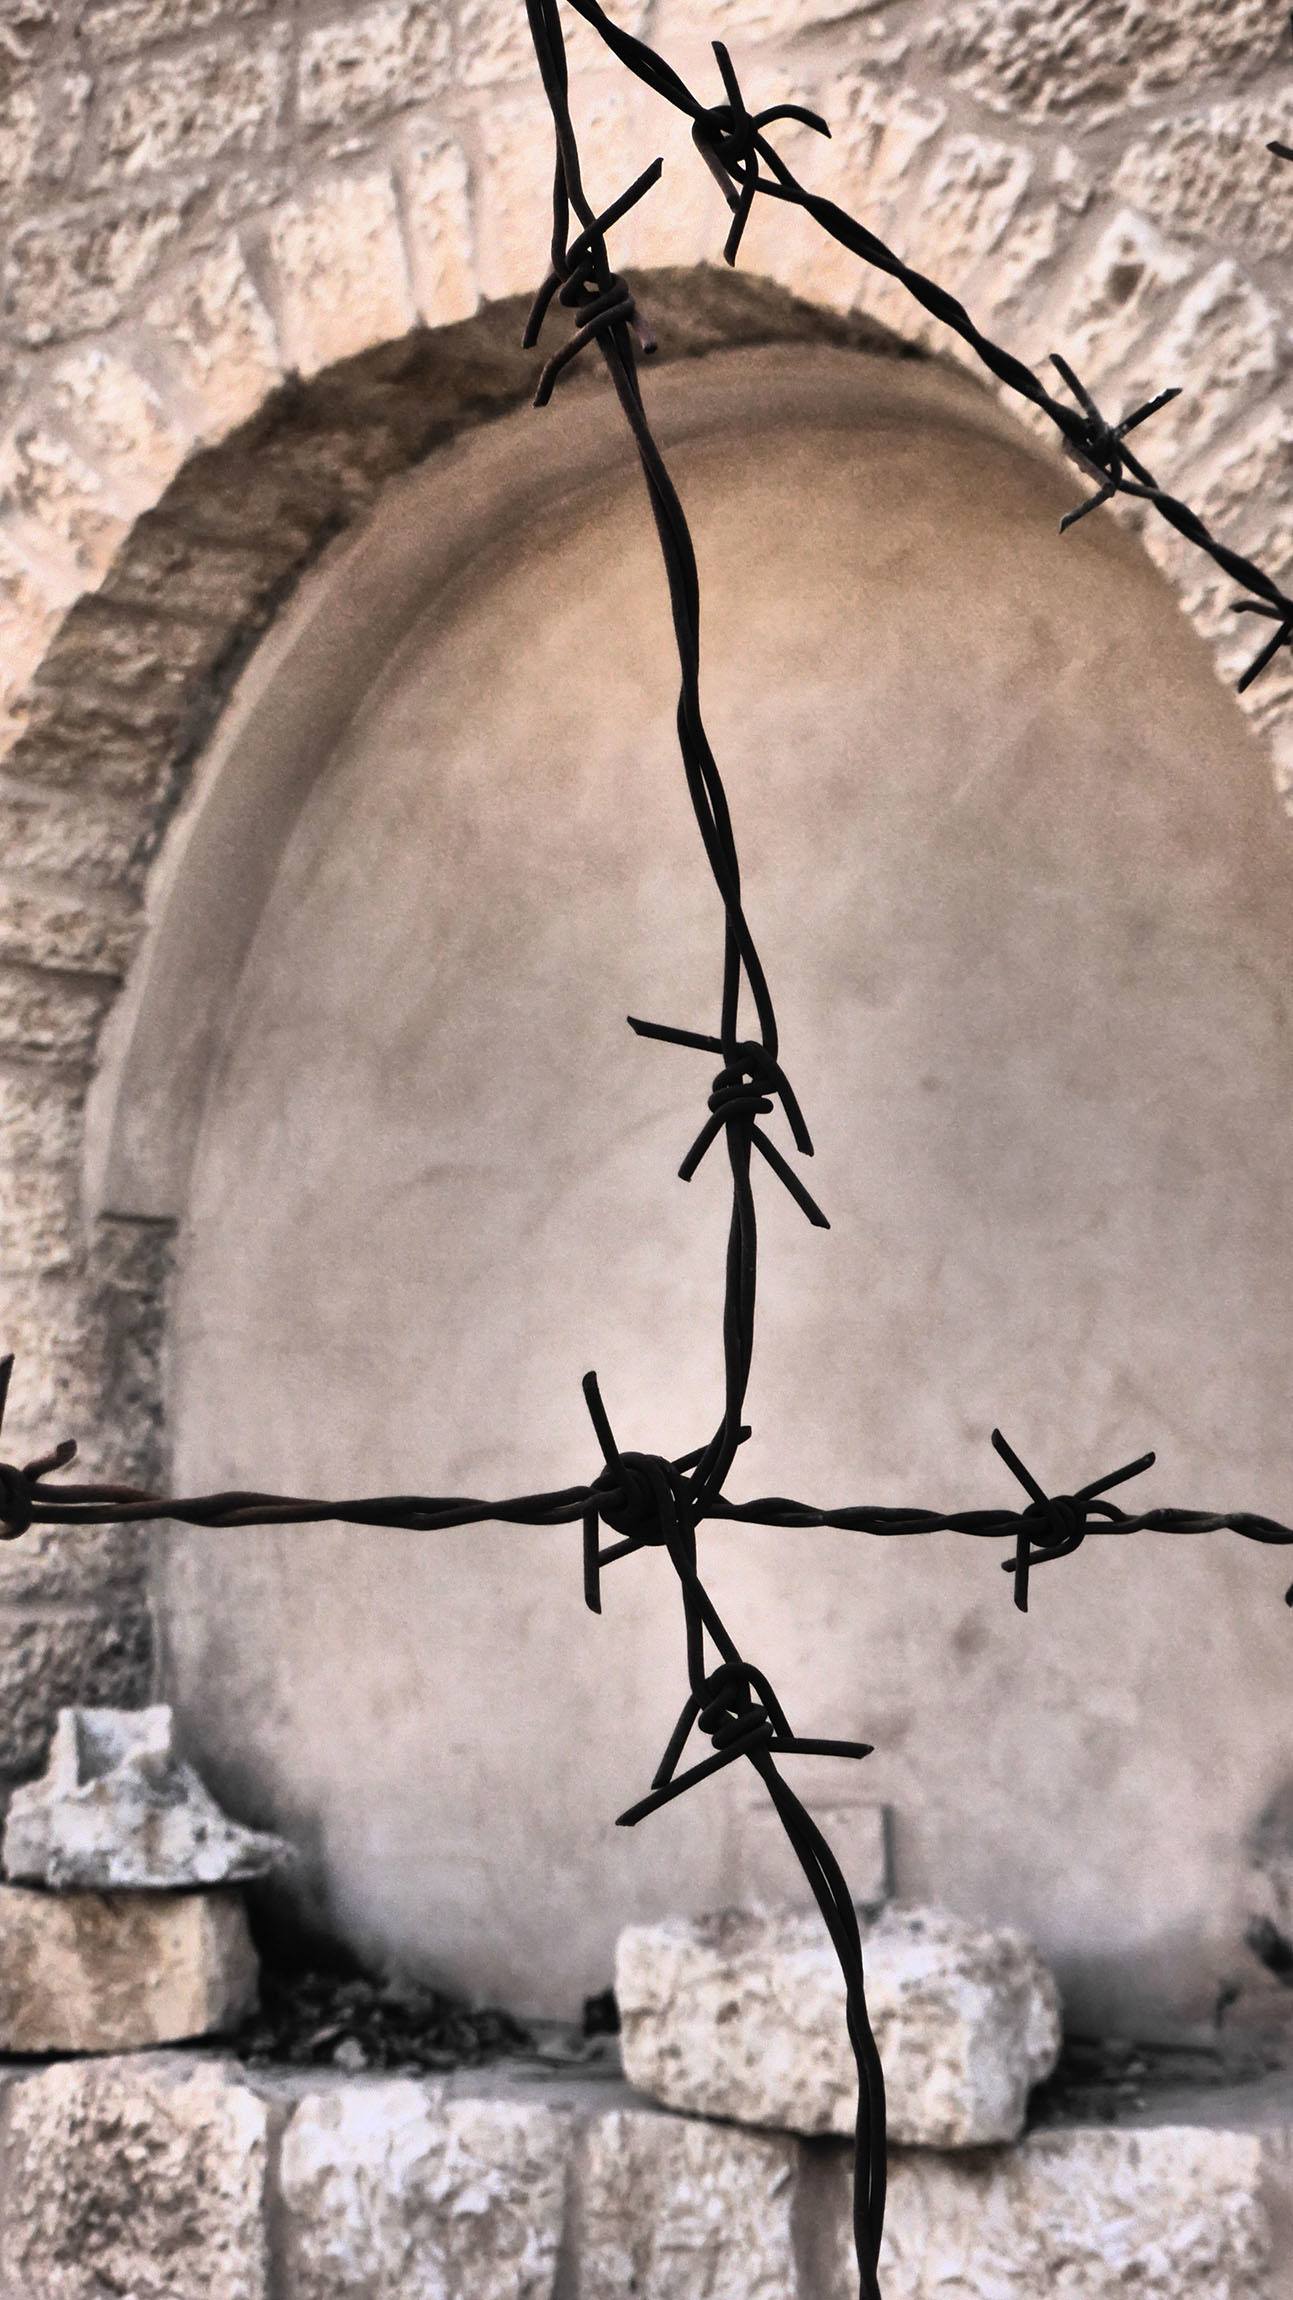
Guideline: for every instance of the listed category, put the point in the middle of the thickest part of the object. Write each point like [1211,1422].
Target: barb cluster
[647,1500]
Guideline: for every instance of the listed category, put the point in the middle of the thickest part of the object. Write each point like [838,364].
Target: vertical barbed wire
[647,1500]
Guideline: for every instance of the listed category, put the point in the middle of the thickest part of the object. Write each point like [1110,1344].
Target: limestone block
[60,505]
[372,60]
[1167,2213]
[139,2177]
[47,1658]
[30,614]
[118,27]
[65,276]
[1041,59]
[671,2209]
[119,1809]
[135,438]
[1208,175]
[394,2191]
[206,102]
[219,335]
[114,1972]
[342,274]
[437,217]
[742,2015]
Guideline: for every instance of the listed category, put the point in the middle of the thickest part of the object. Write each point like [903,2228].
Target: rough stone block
[135,437]
[1043,59]
[437,217]
[1209,176]
[115,1972]
[119,27]
[49,1019]
[219,336]
[59,504]
[177,111]
[343,280]
[49,1660]
[370,61]
[119,1810]
[136,2177]
[31,610]
[742,2015]
[392,2190]
[670,2209]
[65,275]
[1172,2213]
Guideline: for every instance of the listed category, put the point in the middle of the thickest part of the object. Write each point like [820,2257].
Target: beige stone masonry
[742,2015]
[115,1972]
[141,2176]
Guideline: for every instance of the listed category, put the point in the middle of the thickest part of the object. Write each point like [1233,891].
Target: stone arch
[164,324]
[129,686]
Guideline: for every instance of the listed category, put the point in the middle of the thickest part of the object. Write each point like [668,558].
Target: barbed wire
[647,1500]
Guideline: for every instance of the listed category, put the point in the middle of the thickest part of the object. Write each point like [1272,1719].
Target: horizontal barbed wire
[647,1500]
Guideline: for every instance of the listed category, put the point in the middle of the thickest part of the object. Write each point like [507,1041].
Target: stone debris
[118,1809]
[144,2177]
[1164,2213]
[319,2019]
[741,2015]
[115,1972]
[670,2209]
[392,2190]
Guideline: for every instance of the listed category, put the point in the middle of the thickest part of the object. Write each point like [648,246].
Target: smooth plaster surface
[1022,890]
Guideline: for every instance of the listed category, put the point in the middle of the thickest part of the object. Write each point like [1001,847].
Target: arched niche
[1022,889]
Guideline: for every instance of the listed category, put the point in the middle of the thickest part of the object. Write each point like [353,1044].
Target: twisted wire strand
[734,145]
[646,1500]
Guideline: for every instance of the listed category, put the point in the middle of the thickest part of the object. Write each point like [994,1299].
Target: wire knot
[729,138]
[18,1494]
[745,1090]
[645,1498]
[730,1710]
[1060,1518]
[583,282]
[1097,444]
[15,1501]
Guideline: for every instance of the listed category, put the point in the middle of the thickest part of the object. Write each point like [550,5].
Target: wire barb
[1054,1525]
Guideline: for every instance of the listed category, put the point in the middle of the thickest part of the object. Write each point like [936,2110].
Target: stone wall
[257,259]
[183,2177]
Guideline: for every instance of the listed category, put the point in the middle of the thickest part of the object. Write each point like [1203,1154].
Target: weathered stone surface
[742,2015]
[220,336]
[1042,58]
[118,1809]
[139,2177]
[178,111]
[374,59]
[1172,2213]
[74,1654]
[437,213]
[670,2209]
[114,1972]
[342,274]
[1208,175]
[67,274]
[393,2190]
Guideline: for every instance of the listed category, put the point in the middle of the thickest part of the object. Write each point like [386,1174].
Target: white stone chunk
[395,2192]
[142,2178]
[670,2210]
[114,1972]
[742,2015]
[119,1810]
[1098,2213]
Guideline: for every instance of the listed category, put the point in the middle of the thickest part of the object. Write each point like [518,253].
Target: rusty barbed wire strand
[733,143]
[646,1500]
